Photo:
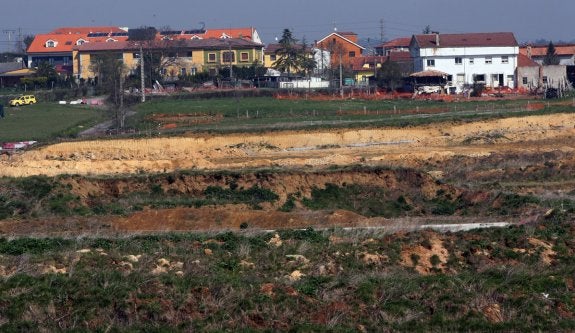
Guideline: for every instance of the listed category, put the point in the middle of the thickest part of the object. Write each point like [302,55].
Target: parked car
[23,100]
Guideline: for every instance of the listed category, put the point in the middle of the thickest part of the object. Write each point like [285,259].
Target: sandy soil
[296,149]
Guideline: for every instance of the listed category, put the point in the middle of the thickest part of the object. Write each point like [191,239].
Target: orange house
[341,45]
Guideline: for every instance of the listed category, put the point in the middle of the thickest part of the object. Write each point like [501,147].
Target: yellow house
[271,56]
[176,57]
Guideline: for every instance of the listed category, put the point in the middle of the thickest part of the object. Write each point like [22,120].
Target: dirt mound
[296,149]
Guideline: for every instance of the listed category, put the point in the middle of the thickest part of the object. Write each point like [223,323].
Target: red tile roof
[466,40]
[66,38]
[541,50]
[398,42]
[524,61]
[65,42]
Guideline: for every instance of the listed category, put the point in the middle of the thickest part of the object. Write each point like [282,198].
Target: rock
[247,264]
[275,241]
[295,276]
[208,252]
[163,262]
[84,251]
[493,313]
[267,289]
[133,258]
[179,273]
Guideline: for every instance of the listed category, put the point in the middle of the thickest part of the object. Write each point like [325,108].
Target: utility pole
[143,86]
[381,30]
[340,75]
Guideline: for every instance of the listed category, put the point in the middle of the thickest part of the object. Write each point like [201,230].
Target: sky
[307,19]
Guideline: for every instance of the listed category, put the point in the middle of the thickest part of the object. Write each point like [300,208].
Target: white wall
[473,63]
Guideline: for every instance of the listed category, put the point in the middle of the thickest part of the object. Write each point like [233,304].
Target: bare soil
[454,151]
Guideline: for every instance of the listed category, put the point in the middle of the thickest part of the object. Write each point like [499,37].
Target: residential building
[486,58]
[12,72]
[321,57]
[57,46]
[365,68]
[342,46]
[394,45]
[532,76]
[565,53]
[178,57]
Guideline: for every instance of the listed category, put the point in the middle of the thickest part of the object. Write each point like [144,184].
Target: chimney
[529,53]
[436,38]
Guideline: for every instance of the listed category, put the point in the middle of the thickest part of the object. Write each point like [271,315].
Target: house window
[479,78]
[352,54]
[51,43]
[544,79]
[524,80]
[450,79]
[273,57]
[211,57]
[136,55]
[80,42]
[431,62]
[504,59]
[460,79]
[471,61]
[228,57]
[488,60]
[193,71]
[183,71]
[189,54]
[458,61]
[244,56]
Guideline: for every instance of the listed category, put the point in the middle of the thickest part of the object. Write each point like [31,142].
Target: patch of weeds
[289,205]
[253,196]
[62,203]
[156,189]
[36,186]
[310,285]
[308,234]
[365,200]
[32,245]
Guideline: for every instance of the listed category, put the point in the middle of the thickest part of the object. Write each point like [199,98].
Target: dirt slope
[289,149]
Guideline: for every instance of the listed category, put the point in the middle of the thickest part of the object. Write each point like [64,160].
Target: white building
[488,58]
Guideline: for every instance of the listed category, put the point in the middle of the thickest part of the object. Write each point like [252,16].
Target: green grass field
[46,121]
[267,113]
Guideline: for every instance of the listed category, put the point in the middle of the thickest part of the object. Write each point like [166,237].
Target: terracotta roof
[65,38]
[524,61]
[541,50]
[398,42]
[211,43]
[64,43]
[466,40]
[245,33]
[344,37]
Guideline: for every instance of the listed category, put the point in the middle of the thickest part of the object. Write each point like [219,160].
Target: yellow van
[23,100]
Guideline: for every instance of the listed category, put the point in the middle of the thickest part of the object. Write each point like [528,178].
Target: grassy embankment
[512,279]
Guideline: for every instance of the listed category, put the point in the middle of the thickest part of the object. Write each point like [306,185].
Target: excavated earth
[458,158]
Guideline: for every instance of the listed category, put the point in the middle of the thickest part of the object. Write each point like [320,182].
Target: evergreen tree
[551,57]
[288,55]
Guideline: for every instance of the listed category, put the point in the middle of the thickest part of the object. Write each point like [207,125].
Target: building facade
[484,58]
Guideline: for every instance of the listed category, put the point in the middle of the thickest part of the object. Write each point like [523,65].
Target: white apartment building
[488,58]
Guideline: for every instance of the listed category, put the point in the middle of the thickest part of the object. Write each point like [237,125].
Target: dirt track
[390,146]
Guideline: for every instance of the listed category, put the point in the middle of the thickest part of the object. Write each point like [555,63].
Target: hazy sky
[312,19]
